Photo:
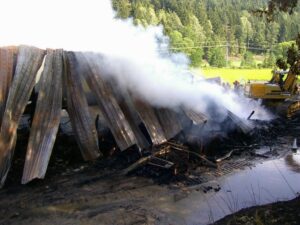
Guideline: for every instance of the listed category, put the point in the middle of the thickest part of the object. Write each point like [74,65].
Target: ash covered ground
[76,192]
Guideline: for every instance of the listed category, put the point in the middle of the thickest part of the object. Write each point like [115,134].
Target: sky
[132,54]
[68,24]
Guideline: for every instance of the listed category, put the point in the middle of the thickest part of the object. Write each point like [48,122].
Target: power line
[216,46]
[263,45]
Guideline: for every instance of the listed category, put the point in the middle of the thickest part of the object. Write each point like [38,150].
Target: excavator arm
[290,83]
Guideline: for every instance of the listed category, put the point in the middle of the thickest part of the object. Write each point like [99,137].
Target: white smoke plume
[132,54]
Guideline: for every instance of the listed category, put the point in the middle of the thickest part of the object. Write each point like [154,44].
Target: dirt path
[82,198]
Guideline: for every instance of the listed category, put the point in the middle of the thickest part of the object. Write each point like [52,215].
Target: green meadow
[231,75]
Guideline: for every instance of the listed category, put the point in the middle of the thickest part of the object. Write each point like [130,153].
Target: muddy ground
[281,213]
[75,192]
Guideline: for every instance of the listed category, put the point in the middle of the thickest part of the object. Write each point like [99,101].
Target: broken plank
[182,148]
[46,118]
[28,62]
[144,160]
[77,106]
[225,156]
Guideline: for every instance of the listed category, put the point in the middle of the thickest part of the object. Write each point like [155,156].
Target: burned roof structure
[63,78]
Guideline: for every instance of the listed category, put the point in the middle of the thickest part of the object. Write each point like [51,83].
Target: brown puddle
[271,181]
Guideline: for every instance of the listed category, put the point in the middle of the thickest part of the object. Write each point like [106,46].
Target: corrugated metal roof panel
[151,122]
[46,118]
[8,58]
[28,62]
[169,121]
[113,114]
[196,117]
[83,126]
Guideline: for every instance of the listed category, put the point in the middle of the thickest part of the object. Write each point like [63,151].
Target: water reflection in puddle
[271,181]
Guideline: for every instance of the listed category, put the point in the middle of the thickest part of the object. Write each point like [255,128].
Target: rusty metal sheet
[151,122]
[77,106]
[113,114]
[46,118]
[196,117]
[169,121]
[8,56]
[28,62]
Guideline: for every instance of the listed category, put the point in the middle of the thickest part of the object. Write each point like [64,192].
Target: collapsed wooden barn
[62,84]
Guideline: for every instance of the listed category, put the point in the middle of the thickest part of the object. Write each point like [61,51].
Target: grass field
[230,75]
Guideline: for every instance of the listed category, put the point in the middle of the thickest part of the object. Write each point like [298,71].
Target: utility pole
[247,47]
[227,43]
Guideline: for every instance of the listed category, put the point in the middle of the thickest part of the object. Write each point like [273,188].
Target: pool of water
[271,181]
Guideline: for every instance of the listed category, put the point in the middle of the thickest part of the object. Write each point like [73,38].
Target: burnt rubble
[104,120]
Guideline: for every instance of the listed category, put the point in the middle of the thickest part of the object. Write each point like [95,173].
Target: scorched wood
[83,126]
[28,62]
[46,118]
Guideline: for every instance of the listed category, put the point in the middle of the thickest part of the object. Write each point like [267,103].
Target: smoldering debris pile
[183,164]
[43,82]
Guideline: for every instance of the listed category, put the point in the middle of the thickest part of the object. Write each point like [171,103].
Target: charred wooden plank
[115,118]
[151,122]
[145,160]
[46,118]
[170,122]
[8,56]
[83,126]
[28,62]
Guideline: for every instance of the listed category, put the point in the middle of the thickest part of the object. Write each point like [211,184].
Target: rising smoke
[134,56]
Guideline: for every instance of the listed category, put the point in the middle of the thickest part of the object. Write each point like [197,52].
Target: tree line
[214,30]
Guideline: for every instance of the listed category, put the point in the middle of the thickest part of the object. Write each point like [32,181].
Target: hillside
[215,30]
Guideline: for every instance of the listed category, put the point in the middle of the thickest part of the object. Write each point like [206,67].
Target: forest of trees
[214,30]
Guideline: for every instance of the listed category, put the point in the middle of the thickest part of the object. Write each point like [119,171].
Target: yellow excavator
[281,92]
